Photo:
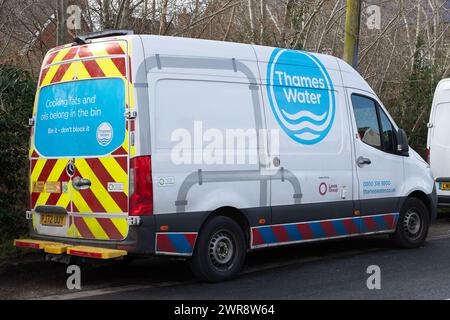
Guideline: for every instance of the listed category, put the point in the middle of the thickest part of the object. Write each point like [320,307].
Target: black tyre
[413,224]
[220,250]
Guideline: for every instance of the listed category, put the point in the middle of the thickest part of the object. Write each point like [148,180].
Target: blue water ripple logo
[301,95]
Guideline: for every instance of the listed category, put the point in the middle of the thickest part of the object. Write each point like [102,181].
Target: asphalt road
[328,270]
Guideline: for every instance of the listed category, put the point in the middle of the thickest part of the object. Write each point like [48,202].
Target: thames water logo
[301,95]
[104,134]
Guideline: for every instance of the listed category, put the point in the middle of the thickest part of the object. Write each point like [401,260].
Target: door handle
[81,183]
[361,162]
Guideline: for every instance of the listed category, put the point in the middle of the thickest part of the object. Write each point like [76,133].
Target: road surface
[327,270]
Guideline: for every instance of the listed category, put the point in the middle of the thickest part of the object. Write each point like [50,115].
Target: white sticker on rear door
[115,187]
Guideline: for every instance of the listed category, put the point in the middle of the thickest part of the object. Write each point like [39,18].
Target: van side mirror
[402,143]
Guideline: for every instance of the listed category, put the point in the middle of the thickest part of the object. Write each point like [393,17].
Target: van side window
[388,136]
[366,117]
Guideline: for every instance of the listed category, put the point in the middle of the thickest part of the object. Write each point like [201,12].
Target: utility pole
[352,27]
[61,12]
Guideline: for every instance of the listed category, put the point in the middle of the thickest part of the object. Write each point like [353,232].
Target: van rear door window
[80,118]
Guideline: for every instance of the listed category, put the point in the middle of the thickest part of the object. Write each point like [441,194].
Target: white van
[205,150]
[438,143]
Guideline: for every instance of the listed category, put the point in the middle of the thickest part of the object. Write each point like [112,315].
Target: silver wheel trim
[221,250]
[412,224]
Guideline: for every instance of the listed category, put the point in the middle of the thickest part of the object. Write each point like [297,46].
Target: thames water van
[205,150]
[438,144]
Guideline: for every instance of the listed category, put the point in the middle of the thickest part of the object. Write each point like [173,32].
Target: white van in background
[438,143]
[205,150]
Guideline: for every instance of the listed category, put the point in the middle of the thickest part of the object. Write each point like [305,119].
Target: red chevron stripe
[83,228]
[70,54]
[35,154]
[257,237]
[50,58]
[370,224]
[390,222]
[92,200]
[130,78]
[46,170]
[110,229]
[328,228]
[42,76]
[118,152]
[281,234]
[123,162]
[33,199]
[350,226]
[120,65]
[305,231]
[93,69]
[103,175]
[62,69]
[114,48]
[164,244]
[191,238]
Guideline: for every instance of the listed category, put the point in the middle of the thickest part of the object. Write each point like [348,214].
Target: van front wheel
[413,224]
[220,250]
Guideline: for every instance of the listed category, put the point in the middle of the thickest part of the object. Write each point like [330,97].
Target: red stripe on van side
[257,237]
[83,228]
[370,223]
[34,197]
[164,244]
[191,238]
[110,229]
[103,175]
[305,231]
[350,226]
[389,219]
[328,228]
[280,233]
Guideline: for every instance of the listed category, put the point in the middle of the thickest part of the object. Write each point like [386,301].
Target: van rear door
[80,143]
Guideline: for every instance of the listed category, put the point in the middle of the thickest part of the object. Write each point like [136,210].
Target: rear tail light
[141,187]
[428,155]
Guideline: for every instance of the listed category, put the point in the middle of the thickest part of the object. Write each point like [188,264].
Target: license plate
[444,186]
[55,220]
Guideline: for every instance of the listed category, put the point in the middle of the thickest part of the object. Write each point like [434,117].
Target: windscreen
[80,118]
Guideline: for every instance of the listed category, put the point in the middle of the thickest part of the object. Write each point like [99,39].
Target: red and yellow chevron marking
[67,63]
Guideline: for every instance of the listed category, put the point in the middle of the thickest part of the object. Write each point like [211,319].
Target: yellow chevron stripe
[79,201]
[108,67]
[60,55]
[70,73]
[53,176]
[95,228]
[82,73]
[121,225]
[39,165]
[125,144]
[116,171]
[50,74]
[97,187]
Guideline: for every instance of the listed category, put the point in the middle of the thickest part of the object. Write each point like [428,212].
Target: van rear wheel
[413,224]
[220,250]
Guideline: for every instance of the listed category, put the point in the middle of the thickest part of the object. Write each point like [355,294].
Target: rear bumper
[139,241]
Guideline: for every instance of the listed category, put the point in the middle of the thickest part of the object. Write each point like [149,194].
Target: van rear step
[62,248]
